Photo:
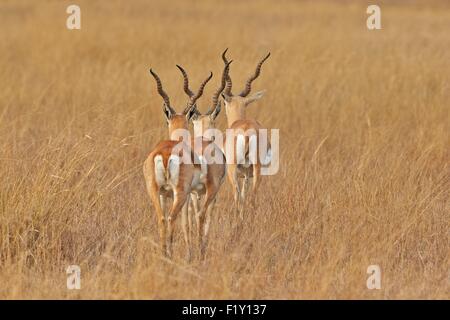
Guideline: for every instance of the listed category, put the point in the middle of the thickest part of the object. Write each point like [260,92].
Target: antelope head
[179,120]
[235,104]
[205,121]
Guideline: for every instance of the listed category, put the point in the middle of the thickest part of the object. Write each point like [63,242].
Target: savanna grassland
[364,148]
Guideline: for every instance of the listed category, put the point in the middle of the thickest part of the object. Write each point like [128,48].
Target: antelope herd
[191,169]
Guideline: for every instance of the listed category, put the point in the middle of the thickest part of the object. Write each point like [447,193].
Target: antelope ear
[254,97]
[216,111]
[226,97]
[167,111]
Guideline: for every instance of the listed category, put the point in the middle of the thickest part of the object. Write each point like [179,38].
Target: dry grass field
[364,148]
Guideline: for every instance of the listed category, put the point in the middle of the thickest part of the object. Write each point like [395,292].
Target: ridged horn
[161,91]
[229,84]
[248,85]
[185,82]
[215,98]
[199,93]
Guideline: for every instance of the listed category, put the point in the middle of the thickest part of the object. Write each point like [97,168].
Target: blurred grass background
[364,129]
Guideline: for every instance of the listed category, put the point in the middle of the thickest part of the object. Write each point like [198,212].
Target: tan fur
[179,193]
[235,109]
[235,106]
[188,174]
[236,117]
[212,183]
[209,152]
[203,123]
[178,121]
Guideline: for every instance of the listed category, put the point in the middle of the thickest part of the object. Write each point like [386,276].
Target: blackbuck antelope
[211,155]
[173,170]
[243,163]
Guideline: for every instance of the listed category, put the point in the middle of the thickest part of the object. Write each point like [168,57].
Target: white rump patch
[268,158]
[253,148]
[241,157]
[174,168]
[160,171]
[240,149]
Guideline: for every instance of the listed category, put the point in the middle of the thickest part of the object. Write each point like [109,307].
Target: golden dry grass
[364,126]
